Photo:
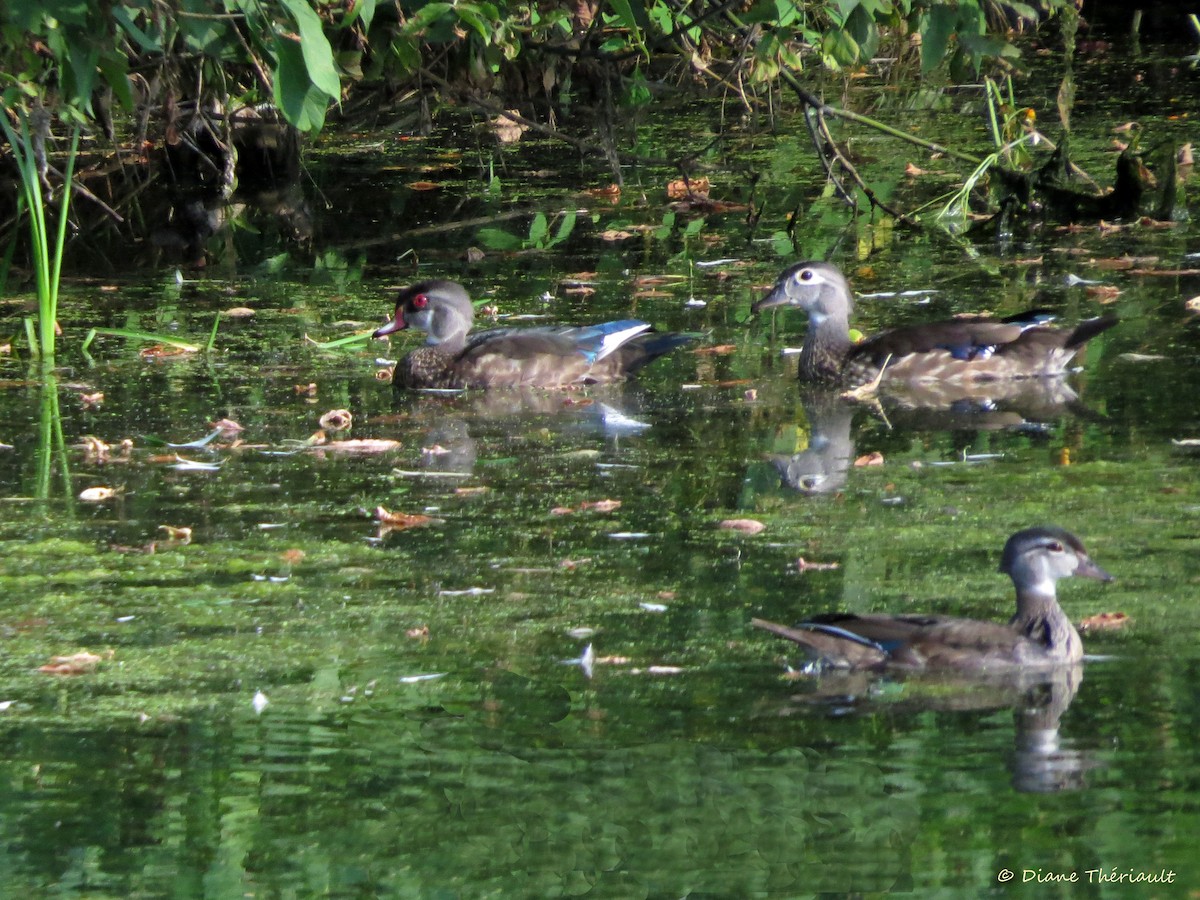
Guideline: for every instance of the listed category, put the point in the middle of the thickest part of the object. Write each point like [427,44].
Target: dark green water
[687,765]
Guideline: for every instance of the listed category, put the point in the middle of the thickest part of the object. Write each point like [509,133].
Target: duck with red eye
[548,357]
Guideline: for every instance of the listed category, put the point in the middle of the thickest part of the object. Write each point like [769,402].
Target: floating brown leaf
[337,420]
[600,505]
[507,127]
[685,189]
[745,526]
[308,390]
[423,185]
[77,664]
[913,171]
[179,534]
[1105,293]
[614,234]
[803,565]
[160,351]
[611,193]
[870,459]
[229,428]
[239,312]
[362,445]
[398,521]
[98,494]
[1104,621]
[93,400]
[561,511]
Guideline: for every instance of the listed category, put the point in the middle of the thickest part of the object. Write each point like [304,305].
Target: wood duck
[1039,636]
[968,349]
[547,357]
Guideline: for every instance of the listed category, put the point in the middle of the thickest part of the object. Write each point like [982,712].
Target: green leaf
[301,102]
[496,239]
[538,229]
[364,11]
[936,28]
[123,17]
[115,69]
[565,227]
[318,55]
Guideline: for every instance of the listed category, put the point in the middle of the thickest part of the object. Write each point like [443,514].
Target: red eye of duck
[420,301]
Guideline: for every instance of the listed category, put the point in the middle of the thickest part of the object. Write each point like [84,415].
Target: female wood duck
[968,349]
[547,357]
[1039,636]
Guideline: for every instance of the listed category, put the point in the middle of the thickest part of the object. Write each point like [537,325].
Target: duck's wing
[846,640]
[547,356]
[978,349]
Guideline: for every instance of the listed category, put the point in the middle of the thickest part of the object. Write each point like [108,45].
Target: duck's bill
[397,324]
[1088,569]
[776,298]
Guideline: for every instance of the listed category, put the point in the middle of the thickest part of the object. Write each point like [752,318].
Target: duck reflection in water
[453,421]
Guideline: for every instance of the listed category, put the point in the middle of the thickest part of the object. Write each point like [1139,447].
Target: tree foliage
[80,58]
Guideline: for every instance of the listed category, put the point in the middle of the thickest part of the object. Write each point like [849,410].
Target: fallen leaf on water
[91,401]
[572,564]
[600,505]
[423,185]
[239,312]
[159,351]
[396,521]
[613,234]
[362,445]
[561,511]
[1193,305]
[803,565]
[471,491]
[913,171]
[611,193]
[507,128]
[94,449]
[1105,293]
[870,459]
[229,428]
[98,494]
[308,390]
[421,633]
[180,534]
[684,189]
[745,526]
[337,420]
[1104,621]
[77,664]
[751,395]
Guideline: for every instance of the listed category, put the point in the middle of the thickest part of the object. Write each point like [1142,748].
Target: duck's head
[819,288]
[1037,557]
[441,309]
